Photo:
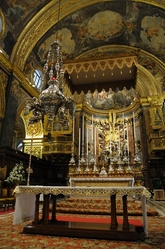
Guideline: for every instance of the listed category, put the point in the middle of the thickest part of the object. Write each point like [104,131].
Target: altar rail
[50,226]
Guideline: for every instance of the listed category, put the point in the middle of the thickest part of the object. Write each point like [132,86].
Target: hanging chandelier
[52,102]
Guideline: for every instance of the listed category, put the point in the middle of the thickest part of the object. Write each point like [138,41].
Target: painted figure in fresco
[111,100]
[88,97]
[102,95]
[110,93]
[14,12]
[118,98]
[133,93]
[9,42]
[95,94]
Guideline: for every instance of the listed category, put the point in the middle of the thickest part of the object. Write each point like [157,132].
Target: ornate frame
[3,30]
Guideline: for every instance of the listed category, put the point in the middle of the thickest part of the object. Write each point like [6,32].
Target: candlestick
[29,169]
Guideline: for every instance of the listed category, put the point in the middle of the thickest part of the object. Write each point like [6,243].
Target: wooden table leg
[46,209]
[53,208]
[114,223]
[125,213]
[36,215]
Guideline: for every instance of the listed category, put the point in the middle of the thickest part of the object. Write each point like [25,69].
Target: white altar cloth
[24,208]
[25,198]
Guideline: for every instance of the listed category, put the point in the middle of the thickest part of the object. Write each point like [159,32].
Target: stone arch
[146,84]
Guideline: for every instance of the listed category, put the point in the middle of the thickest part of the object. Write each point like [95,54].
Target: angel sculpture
[36,109]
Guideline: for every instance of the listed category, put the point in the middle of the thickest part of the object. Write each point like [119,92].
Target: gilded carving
[3,83]
[155,101]
[32,130]
[15,89]
[35,150]
[156,111]
[78,98]
[146,84]
[2,25]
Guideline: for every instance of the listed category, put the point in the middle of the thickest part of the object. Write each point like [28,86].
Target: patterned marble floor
[158,205]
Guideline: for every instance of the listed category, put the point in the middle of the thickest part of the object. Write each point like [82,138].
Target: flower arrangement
[17,175]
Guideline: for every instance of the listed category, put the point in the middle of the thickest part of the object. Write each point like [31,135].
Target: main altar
[106,148]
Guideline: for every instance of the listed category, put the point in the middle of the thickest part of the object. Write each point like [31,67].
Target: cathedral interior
[112,56]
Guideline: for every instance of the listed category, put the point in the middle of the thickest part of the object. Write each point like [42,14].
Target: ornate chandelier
[52,101]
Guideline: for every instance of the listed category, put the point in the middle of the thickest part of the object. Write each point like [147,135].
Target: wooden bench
[7,198]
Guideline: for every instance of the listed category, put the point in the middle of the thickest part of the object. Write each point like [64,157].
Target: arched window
[37,78]
[20,147]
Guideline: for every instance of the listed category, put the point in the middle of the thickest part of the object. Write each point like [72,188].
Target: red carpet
[6,212]
[96,220]
[11,236]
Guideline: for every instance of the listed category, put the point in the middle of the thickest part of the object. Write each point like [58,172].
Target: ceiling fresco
[90,32]
[103,24]
[131,23]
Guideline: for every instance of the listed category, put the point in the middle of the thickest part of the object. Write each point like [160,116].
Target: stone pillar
[7,130]
[145,125]
[3,85]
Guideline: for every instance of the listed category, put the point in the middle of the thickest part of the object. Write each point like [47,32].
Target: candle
[95,141]
[73,126]
[92,128]
[134,126]
[79,140]
[83,128]
[87,141]
[127,140]
[119,139]
[110,139]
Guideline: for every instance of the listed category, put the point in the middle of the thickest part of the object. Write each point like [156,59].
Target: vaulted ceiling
[99,32]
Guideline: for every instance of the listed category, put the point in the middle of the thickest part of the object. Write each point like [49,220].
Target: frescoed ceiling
[88,31]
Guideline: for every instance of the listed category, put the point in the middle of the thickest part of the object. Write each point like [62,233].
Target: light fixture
[52,101]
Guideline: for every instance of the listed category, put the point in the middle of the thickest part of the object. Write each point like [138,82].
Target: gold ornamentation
[33,130]
[35,151]
[94,65]
[3,28]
